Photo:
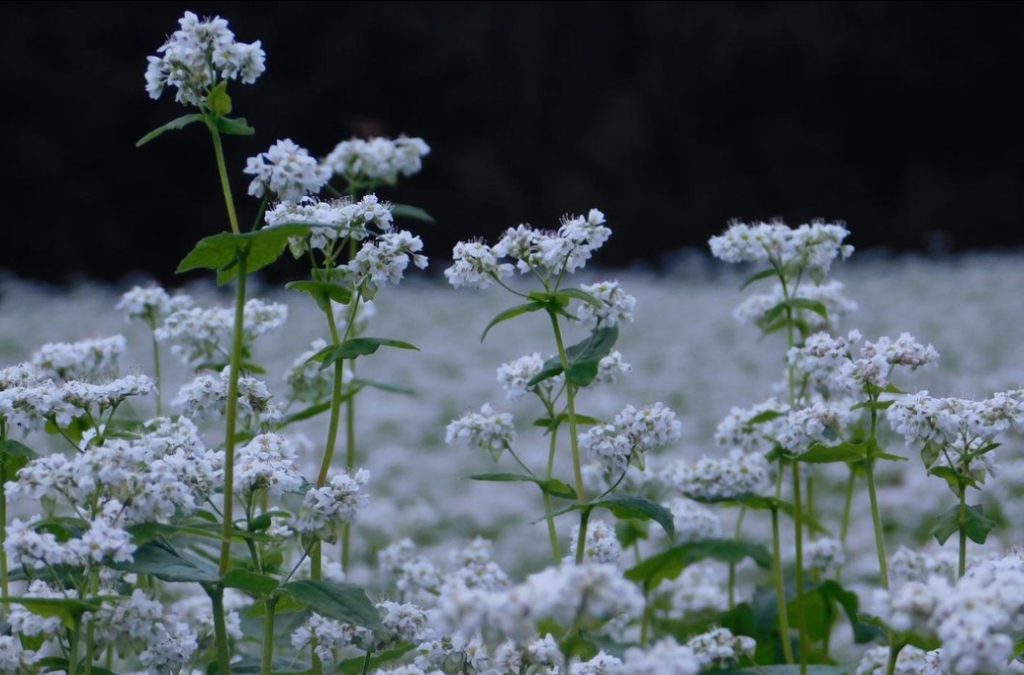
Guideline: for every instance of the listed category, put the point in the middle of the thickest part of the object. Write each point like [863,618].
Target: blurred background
[671,117]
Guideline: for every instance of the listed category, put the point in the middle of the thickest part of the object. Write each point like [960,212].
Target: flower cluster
[198,334]
[378,159]
[197,55]
[488,430]
[719,479]
[326,509]
[287,171]
[810,247]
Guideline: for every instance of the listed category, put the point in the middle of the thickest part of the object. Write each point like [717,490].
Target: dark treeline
[671,117]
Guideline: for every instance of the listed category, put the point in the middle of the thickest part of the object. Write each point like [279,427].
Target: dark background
[900,118]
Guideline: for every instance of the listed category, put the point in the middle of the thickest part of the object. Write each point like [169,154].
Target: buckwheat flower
[21,375]
[26,623]
[698,592]
[514,376]
[719,648]
[741,430]
[36,550]
[207,395]
[601,664]
[13,657]
[385,259]
[824,556]
[908,606]
[267,462]
[587,234]
[875,661]
[910,565]
[714,479]
[616,305]
[607,446]
[197,612]
[488,430]
[83,360]
[378,159]
[475,265]
[817,423]
[171,650]
[544,651]
[365,312]
[602,544]
[287,171]
[151,303]
[665,657]
[407,622]
[198,334]
[30,407]
[332,218]
[196,54]
[476,569]
[328,636]
[327,509]
[692,521]
[103,541]
[651,427]
[371,211]
[611,367]
[107,395]
[812,247]
[307,381]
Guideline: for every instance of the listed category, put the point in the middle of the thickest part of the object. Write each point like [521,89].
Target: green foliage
[411,212]
[323,292]
[671,563]
[173,125]
[583,358]
[821,602]
[165,563]
[976,525]
[221,252]
[14,455]
[553,487]
[337,600]
[354,348]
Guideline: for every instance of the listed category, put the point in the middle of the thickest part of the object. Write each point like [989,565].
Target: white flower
[812,247]
[488,430]
[601,664]
[327,508]
[824,556]
[606,445]
[327,634]
[287,171]
[103,541]
[651,427]
[719,648]
[107,395]
[475,264]
[602,544]
[151,303]
[514,376]
[13,657]
[911,661]
[308,382]
[196,55]
[611,367]
[692,521]
[817,423]
[665,657]
[719,479]
[385,259]
[24,622]
[207,395]
[267,462]
[407,622]
[198,334]
[378,159]
[83,360]
[738,430]
[172,648]
[616,305]
[752,311]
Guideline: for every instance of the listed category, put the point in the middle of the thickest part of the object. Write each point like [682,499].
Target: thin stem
[366,661]
[90,631]
[76,630]
[156,376]
[220,631]
[268,637]
[645,620]
[4,590]
[801,610]
[223,170]
[963,530]
[570,393]
[780,590]
[876,518]
[894,655]
[732,566]
[232,415]
[844,532]
[552,532]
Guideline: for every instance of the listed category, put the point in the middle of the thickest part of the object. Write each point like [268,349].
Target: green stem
[963,530]
[90,631]
[570,393]
[801,610]
[232,414]
[732,566]
[552,532]
[220,631]
[268,637]
[894,655]
[156,376]
[645,621]
[366,661]
[223,170]
[4,590]
[76,630]
[851,484]
[780,590]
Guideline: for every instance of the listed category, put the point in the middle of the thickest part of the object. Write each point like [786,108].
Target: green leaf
[173,125]
[976,524]
[553,487]
[671,563]
[280,665]
[874,405]
[323,292]
[819,602]
[164,563]
[512,313]
[583,358]
[354,666]
[766,416]
[14,455]
[563,418]
[810,305]
[66,609]
[342,601]
[234,127]
[580,294]
[411,212]
[356,347]
[953,477]
[819,453]
[257,584]
[218,100]
[629,532]
[626,507]
[385,386]
[766,274]
[221,251]
[283,604]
